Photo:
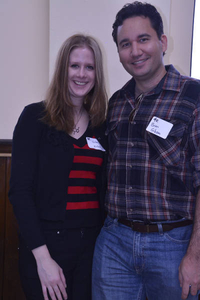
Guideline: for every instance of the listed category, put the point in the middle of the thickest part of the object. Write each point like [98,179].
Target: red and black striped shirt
[82,208]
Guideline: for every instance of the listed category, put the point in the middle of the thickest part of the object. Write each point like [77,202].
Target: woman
[56,185]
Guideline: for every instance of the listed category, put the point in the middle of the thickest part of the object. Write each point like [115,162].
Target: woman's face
[81,73]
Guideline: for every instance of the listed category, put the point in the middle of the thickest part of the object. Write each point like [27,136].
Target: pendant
[76,130]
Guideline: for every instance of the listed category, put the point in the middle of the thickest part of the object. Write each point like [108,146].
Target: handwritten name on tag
[159,127]
[94,144]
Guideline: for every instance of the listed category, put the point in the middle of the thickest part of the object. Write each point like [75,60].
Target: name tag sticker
[159,127]
[94,144]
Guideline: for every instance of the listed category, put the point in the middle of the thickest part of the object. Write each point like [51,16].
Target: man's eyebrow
[144,35]
[123,41]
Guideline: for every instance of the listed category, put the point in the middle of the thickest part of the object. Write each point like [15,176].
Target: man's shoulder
[190,80]
[190,88]
[186,87]
[128,87]
[175,76]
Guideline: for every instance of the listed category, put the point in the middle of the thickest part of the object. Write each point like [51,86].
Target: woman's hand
[50,274]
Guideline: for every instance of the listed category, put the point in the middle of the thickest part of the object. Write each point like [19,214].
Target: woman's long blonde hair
[58,105]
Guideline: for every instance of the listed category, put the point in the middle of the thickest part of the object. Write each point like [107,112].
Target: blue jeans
[130,265]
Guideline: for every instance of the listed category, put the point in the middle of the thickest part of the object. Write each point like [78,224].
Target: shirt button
[134,123]
[58,232]
[130,188]
[132,144]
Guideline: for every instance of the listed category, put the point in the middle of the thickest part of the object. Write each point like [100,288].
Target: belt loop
[160,228]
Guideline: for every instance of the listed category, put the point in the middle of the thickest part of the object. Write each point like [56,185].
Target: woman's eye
[74,66]
[90,67]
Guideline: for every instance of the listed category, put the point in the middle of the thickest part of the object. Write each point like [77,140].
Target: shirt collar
[171,81]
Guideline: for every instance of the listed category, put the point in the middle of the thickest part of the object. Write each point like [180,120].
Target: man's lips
[138,62]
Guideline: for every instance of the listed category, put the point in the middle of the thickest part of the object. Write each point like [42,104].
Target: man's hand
[189,269]
[50,274]
[189,275]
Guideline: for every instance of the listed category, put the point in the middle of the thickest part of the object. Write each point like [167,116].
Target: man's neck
[143,87]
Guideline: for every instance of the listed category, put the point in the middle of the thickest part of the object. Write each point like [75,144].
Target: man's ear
[163,40]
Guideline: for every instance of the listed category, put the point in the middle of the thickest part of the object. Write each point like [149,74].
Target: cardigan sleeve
[25,147]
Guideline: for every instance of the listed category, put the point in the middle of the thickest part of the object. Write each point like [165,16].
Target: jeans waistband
[147,228]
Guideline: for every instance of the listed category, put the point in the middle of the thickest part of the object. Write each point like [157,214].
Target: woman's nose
[81,72]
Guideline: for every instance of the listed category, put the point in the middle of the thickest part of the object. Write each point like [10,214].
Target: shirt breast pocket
[169,150]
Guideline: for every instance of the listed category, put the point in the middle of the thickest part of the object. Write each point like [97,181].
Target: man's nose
[135,49]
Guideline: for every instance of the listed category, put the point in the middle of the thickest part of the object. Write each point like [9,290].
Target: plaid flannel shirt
[151,178]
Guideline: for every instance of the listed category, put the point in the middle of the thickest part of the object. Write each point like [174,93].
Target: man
[150,243]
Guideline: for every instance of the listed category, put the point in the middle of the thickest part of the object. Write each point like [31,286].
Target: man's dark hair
[136,9]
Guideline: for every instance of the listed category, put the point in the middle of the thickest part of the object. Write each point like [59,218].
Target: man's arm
[189,270]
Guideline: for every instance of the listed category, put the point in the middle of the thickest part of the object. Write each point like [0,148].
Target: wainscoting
[10,287]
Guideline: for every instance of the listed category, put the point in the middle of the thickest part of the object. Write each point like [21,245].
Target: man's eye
[125,45]
[143,40]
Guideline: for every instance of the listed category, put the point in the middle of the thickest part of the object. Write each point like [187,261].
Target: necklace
[77,129]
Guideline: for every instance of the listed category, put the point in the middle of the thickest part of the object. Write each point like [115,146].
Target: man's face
[140,50]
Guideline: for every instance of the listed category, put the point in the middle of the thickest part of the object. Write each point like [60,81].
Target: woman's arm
[25,148]
[26,144]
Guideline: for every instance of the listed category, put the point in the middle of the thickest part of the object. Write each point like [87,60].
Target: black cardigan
[41,161]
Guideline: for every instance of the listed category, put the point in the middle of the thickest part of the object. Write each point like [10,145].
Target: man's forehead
[131,20]
[141,24]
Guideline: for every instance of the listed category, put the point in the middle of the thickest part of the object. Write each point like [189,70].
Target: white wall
[24,58]
[25,54]
[195,63]
[180,34]
[69,17]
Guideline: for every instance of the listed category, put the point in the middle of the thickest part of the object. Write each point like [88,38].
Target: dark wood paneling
[11,287]
[5,146]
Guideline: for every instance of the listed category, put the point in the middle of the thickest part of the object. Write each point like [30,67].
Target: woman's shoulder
[34,109]
[32,113]
[99,133]
[30,118]
[101,128]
